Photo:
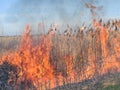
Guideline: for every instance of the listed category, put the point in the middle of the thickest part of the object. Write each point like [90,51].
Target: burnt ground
[9,81]
[96,83]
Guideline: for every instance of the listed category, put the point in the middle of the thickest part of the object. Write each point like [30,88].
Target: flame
[33,61]
[35,66]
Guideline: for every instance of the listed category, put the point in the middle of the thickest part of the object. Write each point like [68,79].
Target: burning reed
[62,59]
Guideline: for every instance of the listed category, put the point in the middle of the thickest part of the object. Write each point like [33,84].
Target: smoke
[63,11]
[72,12]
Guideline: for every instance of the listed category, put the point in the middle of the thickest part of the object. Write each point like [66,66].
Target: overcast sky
[15,14]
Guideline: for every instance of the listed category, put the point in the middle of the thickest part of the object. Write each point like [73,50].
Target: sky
[15,14]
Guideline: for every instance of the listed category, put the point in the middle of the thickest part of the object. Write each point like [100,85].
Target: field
[81,59]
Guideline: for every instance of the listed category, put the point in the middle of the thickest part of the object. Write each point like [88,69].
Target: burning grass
[58,60]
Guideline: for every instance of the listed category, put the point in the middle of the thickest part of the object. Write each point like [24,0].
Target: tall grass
[78,45]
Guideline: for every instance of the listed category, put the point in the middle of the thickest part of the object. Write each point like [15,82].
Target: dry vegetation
[74,45]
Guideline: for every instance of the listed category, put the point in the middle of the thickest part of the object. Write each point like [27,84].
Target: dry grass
[78,46]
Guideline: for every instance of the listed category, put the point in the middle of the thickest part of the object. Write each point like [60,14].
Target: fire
[34,60]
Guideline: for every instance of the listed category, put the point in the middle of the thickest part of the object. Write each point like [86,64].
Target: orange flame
[34,61]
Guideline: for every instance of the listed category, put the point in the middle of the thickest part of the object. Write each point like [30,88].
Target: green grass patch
[112,87]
